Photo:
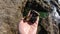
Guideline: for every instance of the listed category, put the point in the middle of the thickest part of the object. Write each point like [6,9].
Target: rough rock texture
[50,26]
[10,14]
[46,26]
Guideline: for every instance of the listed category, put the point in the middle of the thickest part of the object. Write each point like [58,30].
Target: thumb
[37,20]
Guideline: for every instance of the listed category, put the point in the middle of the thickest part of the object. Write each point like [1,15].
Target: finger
[21,21]
[29,13]
[36,23]
[37,20]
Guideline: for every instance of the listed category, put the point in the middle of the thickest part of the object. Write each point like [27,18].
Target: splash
[55,14]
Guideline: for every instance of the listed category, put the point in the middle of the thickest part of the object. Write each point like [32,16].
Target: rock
[10,15]
[48,25]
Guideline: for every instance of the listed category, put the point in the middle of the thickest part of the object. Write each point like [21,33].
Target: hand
[28,28]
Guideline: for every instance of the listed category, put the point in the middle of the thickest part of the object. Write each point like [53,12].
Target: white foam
[55,15]
[59,1]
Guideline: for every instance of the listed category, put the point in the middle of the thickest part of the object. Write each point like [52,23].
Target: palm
[28,28]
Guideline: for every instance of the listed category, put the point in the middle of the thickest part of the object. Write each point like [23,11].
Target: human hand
[28,28]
